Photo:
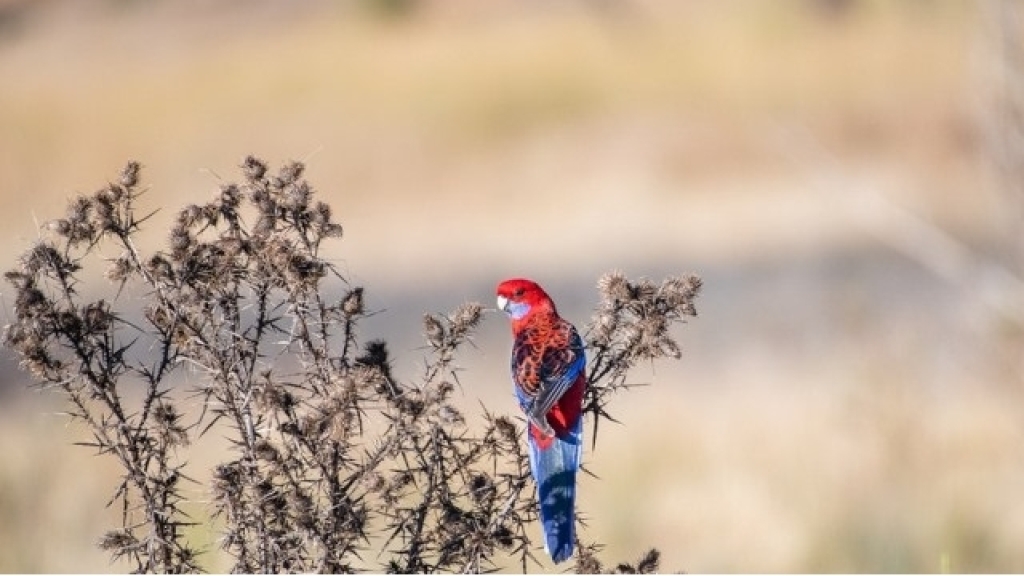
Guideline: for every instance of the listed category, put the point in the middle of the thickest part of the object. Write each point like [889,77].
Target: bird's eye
[518,292]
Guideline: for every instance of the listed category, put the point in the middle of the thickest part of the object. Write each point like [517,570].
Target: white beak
[502,303]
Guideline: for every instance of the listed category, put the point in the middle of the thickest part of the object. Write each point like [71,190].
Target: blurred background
[847,176]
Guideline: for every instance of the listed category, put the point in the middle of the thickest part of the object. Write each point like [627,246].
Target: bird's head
[518,297]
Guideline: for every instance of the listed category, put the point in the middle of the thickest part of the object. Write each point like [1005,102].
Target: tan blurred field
[850,397]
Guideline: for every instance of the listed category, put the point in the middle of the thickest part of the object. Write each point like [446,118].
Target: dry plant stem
[76,347]
[331,454]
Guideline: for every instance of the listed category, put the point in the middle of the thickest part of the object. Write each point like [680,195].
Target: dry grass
[837,409]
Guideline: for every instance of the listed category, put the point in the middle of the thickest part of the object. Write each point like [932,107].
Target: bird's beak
[502,303]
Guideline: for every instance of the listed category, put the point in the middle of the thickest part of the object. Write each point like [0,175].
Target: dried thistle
[632,324]
[328,446]
[647,564]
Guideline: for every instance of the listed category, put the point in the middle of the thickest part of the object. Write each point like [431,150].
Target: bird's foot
[542,424]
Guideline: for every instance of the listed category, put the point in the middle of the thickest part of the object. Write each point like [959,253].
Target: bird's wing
[547,357]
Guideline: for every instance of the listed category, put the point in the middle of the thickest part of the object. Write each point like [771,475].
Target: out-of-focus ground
[850,397]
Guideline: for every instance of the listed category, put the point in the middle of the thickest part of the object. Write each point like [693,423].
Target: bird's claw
[542,424]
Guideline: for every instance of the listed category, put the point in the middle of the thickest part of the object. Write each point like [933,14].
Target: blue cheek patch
[518,309]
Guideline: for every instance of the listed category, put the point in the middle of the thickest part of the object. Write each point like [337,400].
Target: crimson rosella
[549,377]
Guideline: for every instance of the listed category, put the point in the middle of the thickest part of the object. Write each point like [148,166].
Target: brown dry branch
[631,325]
[332,455]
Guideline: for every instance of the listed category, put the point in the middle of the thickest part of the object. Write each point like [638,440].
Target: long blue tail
[554,469]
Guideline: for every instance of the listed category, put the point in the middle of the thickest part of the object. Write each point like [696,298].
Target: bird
[548,368]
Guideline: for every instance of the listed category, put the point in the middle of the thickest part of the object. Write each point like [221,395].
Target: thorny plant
[332,456]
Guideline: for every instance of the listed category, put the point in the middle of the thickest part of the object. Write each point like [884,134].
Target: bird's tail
[554,462]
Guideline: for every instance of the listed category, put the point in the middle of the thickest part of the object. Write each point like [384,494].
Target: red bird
[549,377]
